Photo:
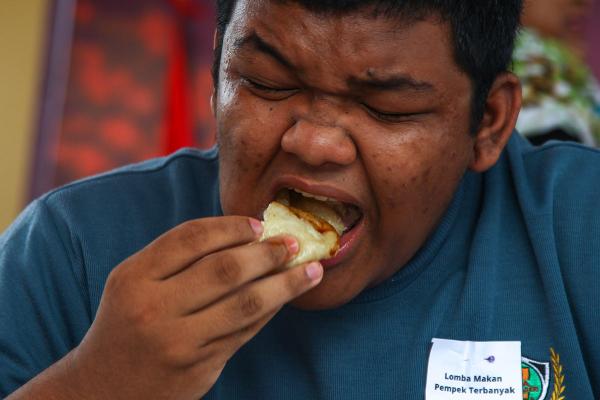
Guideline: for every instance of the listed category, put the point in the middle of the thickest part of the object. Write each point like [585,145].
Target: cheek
[234,144]
[417,169]
[247,142]
[419,181]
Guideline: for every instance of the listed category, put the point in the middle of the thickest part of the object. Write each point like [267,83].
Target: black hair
[483,33]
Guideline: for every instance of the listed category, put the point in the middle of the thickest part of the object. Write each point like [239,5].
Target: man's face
[364,110]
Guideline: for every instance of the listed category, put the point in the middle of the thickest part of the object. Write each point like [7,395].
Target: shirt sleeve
[44,309]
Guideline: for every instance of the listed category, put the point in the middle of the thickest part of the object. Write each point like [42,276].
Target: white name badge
[463,370]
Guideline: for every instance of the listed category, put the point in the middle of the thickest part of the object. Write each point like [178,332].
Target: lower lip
[348,243]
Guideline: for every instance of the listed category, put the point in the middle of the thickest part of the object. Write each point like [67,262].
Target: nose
[319,135]
[317,143]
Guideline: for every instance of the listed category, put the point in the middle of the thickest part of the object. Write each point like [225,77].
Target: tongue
[350,216]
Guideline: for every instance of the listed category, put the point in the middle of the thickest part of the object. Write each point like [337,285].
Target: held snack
[317,238]
[317,222]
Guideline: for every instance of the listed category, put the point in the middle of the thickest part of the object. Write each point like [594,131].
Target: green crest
[535,379]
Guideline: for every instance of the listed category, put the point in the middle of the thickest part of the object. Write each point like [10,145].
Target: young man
[133,284]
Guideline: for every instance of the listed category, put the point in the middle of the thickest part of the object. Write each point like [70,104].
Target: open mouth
[320,224]
[341,216]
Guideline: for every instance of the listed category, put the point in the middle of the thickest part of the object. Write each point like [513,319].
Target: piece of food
[317,222]
[317,238]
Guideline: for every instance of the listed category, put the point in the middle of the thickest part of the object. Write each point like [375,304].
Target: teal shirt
[515,257]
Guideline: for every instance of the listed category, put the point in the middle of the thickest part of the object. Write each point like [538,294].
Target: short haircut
[483,33]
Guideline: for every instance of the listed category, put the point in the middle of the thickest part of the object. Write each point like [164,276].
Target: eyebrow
[390,83]
[382,83]
[261,45]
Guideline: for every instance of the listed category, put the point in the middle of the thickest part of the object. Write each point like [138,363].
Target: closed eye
[393,118]
[269,92]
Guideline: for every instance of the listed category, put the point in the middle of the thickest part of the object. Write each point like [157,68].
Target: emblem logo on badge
[536,378]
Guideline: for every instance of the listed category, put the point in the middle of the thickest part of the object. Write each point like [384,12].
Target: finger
[254,301]
[218,274]
[188,242]
[222,349]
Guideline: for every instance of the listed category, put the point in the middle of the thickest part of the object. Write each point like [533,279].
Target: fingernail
[314,271]
[291,244]
[256,226]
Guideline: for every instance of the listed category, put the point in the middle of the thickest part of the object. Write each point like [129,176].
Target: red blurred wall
[107,96]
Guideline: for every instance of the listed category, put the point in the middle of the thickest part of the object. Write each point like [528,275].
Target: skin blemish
[427,174]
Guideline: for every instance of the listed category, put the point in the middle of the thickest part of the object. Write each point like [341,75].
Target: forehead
[357,43]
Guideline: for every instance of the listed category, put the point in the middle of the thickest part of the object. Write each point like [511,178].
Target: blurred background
[90,85]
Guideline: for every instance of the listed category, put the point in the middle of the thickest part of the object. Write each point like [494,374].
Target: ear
[499,119]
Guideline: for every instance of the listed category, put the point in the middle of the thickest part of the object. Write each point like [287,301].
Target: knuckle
[240,227]
[193,233]
[250,303]
[227,269]
[144,307]
[116,281]
[276,253]
[143,313]
[119,288]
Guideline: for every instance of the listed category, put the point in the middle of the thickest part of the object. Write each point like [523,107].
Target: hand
[173,314]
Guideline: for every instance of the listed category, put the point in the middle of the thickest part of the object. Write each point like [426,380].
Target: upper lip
[312,187]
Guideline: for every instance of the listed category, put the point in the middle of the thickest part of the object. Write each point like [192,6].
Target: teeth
[320,198]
